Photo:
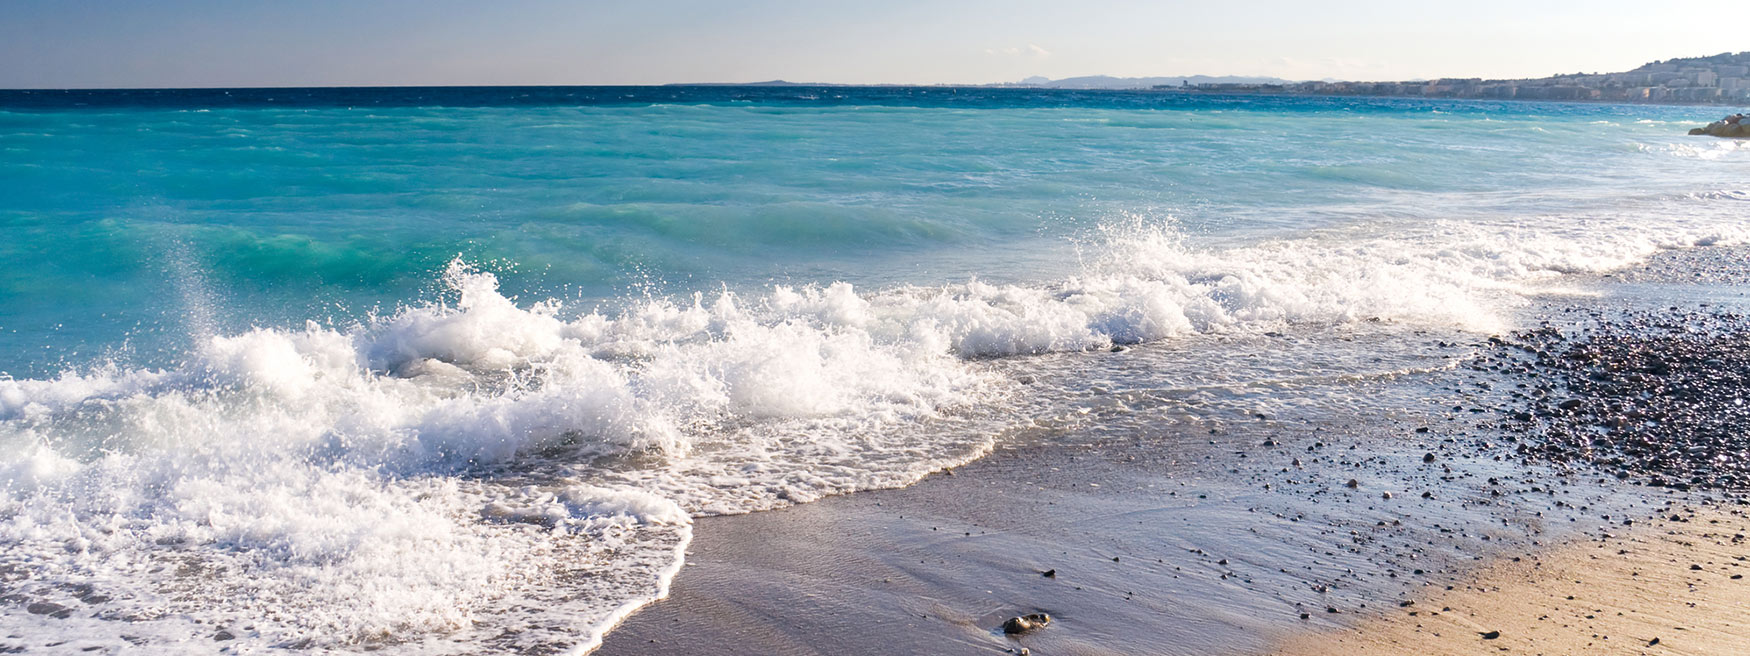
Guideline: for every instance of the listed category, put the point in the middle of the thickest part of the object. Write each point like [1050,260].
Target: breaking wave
[478,470]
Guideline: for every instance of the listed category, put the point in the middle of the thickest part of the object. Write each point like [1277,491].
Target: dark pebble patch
[1659,398]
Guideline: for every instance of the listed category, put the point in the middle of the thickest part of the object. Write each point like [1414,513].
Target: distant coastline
[1410,95]
[1718,80]
[1722,79]
[797,93]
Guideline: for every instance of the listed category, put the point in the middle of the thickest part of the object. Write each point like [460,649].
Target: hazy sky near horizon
[192,43]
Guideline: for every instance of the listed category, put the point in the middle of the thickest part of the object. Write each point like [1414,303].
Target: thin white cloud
[1340,67]
[1033,50]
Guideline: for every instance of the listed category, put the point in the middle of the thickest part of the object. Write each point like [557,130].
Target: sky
[247,43]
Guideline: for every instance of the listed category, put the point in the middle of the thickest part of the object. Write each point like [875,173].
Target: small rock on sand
[1026,623]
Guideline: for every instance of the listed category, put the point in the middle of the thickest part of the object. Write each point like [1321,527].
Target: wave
[422,480]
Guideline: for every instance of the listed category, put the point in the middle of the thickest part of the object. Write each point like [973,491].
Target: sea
[454,370]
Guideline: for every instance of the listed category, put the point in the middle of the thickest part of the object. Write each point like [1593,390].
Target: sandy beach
[1664,586]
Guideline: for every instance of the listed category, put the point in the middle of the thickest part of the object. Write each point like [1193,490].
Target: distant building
[1722,78]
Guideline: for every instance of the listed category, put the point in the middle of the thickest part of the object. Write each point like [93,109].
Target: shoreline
[1198,534]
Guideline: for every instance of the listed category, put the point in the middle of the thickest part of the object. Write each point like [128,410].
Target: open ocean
[452,370]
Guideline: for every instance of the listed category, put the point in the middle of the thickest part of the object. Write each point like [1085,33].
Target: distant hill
[1109,82]
[767,83]
[1083,82]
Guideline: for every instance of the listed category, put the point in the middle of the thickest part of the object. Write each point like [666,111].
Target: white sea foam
[421,481]
[1703,148]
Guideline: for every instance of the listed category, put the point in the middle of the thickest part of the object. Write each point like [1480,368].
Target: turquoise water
[471,350]
[287,213]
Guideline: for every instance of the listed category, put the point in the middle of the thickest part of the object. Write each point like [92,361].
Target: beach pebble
[50,609]
[1026,623]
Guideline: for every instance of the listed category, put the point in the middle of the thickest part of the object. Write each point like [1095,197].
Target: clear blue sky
[160,43]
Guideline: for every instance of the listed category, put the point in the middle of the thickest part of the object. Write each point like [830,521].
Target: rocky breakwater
[1736,126]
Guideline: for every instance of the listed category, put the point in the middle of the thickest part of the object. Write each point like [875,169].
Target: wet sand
[1318,528]
[1218,548]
